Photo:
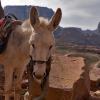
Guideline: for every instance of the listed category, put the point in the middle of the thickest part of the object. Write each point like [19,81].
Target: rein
[5,29]
[48,68]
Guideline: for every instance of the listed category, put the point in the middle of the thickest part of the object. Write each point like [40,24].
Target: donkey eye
[50,47]
[33,45]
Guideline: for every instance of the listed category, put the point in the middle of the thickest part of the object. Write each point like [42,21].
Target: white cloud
[82,13]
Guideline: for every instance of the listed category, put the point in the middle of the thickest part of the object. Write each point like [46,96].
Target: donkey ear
[34,19]
[55,20]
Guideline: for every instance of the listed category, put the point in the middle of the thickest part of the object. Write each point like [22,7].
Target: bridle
[48,68]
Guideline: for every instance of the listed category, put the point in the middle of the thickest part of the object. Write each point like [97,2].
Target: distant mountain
[79,36]
[22,12]
[63,35]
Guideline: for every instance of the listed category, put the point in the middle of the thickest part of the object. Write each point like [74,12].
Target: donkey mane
[24,31]
[43,22]
[26,26]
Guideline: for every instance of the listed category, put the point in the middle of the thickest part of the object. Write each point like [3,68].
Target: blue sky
[76,13]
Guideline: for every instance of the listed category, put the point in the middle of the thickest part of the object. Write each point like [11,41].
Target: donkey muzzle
[39,69]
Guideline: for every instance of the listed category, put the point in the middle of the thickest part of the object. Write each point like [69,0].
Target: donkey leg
[8,82]
[17,87]
[18,81]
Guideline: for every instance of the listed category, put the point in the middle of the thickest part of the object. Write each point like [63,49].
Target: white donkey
[33,37]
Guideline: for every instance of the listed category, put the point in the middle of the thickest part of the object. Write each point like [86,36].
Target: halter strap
[48,68]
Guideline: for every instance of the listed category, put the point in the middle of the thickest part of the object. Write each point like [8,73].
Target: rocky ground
[69,77]
[67,71]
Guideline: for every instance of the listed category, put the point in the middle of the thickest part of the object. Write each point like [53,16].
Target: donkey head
[42,40]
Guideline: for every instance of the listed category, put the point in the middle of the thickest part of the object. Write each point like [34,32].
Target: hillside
[63,35]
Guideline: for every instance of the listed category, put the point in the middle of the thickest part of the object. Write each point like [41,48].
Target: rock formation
[98,29]
[1,11]
[81,88]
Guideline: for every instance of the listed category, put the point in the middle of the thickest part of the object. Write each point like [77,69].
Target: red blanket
[1,22]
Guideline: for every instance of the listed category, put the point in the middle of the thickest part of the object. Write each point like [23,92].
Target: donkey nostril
[44,74]
[38,76]
[34,74]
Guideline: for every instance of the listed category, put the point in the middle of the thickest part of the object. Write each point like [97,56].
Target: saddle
[5,30]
